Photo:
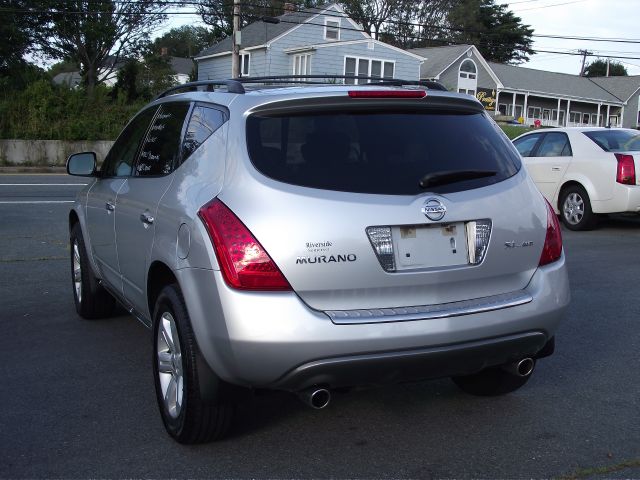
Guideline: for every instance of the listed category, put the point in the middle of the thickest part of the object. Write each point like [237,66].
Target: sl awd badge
[434,209]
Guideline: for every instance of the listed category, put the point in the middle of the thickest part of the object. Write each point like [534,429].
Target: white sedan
[584,171]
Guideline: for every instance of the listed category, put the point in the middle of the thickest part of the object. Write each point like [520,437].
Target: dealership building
[552,99]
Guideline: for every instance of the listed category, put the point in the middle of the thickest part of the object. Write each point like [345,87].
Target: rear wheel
[491,382]
[179,375]
[575,209]
[91,299]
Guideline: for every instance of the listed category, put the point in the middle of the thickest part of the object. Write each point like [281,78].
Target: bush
[49,112]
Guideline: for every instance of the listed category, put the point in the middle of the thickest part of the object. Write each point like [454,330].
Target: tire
[575,209]
[181,376]
[490,382]
[91,299]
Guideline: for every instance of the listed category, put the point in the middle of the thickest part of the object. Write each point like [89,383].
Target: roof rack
[308,79]
[237,85]
[233,86]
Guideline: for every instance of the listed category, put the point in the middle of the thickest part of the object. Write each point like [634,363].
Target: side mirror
[82,164]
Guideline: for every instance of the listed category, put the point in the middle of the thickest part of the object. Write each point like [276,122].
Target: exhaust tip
[317,398]
[525,367]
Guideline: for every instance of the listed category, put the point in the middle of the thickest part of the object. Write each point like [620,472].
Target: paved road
[77,400]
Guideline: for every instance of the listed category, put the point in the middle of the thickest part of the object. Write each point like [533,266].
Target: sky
[583,18]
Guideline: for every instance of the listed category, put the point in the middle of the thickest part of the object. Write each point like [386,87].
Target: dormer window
[331,29]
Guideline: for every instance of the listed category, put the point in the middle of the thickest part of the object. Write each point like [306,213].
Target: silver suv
[309,238]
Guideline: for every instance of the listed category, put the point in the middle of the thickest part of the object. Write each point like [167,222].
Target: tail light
[245,265]
[552,249]
[626,169]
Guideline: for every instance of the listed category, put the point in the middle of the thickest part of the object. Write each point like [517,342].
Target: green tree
[156,76]
[374,14]
[185,41]
[415,24]
[16,40]
[63,67]
[97,34]
[16,31]
[126,86]
[496,31]
[598,68]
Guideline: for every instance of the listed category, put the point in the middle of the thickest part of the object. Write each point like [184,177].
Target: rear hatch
[368,203]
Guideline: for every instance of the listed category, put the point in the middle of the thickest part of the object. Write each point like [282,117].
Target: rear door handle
[556,169]
[109,206]
[146,218]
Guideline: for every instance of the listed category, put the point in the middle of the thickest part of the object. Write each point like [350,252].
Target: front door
[102,198]
[100,215]
[549,162]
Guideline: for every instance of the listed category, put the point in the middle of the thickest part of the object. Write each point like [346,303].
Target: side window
[554,145]
[203,122]
[161,148]
[119,160]
[525,145]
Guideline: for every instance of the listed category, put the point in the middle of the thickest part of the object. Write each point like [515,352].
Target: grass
[513,131]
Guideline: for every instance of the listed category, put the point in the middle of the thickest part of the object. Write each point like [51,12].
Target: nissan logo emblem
[434,209]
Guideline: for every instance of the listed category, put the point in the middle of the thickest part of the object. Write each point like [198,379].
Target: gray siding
[220,67]
[631,114]
[214,68]
[324,60]
[449,77]
[330,60]
[281,63]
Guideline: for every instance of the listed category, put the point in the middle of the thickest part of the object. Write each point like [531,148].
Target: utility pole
[235,40]
[584,53]
[608,60]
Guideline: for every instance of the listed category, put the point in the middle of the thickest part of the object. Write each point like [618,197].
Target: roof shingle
[552,83]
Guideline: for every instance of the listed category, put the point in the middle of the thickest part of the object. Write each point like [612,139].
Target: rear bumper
[395,367]
[626,198]
[274,340]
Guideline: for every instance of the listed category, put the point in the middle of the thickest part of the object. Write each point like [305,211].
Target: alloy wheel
[573,208]
[170,367]
[77,271]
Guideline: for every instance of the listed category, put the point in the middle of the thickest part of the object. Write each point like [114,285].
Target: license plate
[430,246]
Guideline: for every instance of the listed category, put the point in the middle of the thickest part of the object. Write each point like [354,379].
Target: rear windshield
[616,140]
[380,152]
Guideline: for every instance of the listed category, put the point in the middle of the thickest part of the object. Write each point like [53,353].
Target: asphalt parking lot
[77,396]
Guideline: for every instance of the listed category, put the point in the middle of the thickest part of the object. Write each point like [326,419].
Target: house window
[533,112]
[302,64]
[245,64]
[367,67]
[575,117]
[468,77]
[331,29]
[585,119]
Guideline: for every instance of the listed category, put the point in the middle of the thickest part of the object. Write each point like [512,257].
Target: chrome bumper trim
[430,312]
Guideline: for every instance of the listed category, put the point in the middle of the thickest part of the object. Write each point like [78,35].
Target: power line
[317,10]
[547,6]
